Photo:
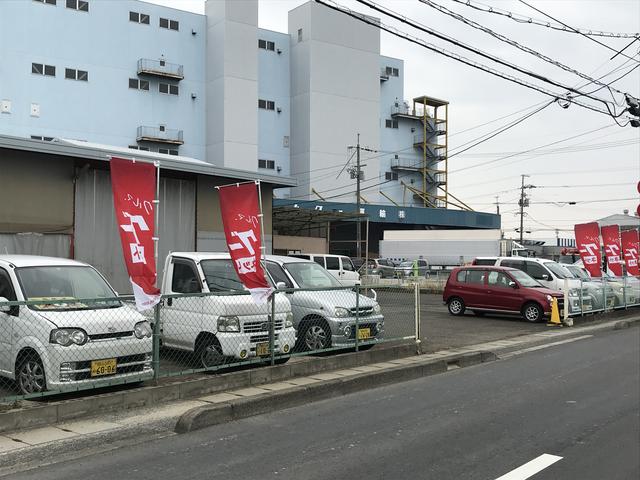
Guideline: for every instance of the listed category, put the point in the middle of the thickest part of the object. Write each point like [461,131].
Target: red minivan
[483,289]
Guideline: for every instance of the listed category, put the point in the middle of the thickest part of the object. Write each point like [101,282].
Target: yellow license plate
[103,367]
[262,349]
[364,333]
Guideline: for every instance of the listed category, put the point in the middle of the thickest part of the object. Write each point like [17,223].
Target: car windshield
[406,264]
[220,275]
[311,275]
[66,287]
[577,272]
[524,279]
[557,270]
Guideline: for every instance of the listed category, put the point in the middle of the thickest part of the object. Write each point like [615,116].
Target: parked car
[67,343]
[218,327]
[548,273]
[380,266]
[324,319]
[630,285]
[603,291]
[409,267]
[493,289]
[340,266]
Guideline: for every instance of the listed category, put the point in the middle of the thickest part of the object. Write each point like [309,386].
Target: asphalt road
[578,402]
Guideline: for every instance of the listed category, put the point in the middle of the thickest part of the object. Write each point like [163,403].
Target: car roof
[198,256]
[281,259]
[488,267]
[38,261]
[319,255]
[528,259]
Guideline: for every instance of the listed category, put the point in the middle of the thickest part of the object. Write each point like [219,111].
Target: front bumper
[244,345]
[343,330]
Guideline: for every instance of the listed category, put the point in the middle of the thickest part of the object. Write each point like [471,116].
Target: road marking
[546,345]
[531,468]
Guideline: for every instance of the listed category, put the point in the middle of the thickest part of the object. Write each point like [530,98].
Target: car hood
[241,305]
[329,299]
[102,320]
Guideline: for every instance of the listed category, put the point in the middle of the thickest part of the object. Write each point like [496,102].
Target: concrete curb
[205,416]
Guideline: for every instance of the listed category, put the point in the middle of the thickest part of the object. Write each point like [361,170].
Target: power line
[393,31]
[511,42]
[523,19]
[488,56]
[577,31]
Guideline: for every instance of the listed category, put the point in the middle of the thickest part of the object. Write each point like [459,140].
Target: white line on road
[529,469]
[541,347]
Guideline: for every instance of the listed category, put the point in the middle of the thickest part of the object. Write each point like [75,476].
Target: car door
[500,295]
[475,288]
[182,316]
[6,322]
[332,266]
[348,273]
[540,273]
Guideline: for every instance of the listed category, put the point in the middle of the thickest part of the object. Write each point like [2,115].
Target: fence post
[604,294]
[416,299]
[581,304]
[624,291]
[156,342]
[271,328]
[357,331]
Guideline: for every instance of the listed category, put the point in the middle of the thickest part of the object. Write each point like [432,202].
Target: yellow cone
[554,321]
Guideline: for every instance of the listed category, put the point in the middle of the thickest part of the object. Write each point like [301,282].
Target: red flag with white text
[134,189]
[588,243]
[630,248]
[612,249]
[241,219]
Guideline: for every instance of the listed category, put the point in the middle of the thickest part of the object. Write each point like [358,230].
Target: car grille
[362,311]
[261,338]
[109,336]
[261,325]
[138,362]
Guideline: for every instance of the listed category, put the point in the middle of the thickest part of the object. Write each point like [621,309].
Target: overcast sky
[603,165]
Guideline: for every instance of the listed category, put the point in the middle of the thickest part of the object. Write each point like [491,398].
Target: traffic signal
[634,109]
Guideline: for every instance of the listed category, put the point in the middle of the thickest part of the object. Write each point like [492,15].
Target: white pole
[156,238]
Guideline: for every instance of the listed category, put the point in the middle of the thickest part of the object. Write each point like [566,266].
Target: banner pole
[264,268]
[156,237]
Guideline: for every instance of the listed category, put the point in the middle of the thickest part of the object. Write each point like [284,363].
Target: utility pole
[497,205]
[358,176]
[523,202]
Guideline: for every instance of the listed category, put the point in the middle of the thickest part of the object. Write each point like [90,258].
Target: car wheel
[30,375]
[315,336]
[478,313]
[209,353]
[532,312]
[456,306]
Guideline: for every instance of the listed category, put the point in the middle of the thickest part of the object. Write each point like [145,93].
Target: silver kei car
[324,318]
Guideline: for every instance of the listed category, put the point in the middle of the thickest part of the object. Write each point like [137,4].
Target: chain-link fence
[604,294]
[61,345]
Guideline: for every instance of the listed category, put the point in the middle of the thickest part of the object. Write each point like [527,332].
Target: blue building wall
[274,85]
[106,44]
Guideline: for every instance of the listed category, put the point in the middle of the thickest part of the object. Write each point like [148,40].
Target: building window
[393,72]
[48,2]
[299,35]
[139,17]
[136,147]
[390,123]
[73,74]
[266,45]
[139,84]
[41,138]
[268,164]
[169,24]
[266,104]
[391,176]
[168,89]
[40,69]
[80,5]
[168,151]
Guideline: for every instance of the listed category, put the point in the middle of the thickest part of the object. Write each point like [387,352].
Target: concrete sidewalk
[22,447]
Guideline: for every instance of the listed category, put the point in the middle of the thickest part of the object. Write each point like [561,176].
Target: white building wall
[335,95]
[232,83]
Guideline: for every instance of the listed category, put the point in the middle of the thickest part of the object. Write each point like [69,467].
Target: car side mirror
[281,285]
[4,308]
[545,276]
[513,284]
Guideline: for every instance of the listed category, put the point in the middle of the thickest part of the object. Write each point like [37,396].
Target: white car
[324,318]
[340,266]
[66,343]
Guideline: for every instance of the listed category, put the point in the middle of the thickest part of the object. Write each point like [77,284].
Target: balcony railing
[160,68]
[162,135]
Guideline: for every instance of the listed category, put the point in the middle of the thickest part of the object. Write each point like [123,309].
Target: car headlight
[341,312]
[142,329]
[574,292]
[288,321]
[549,298]
[68,336]
[228,324]
[376,308]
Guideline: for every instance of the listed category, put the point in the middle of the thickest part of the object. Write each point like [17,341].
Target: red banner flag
[588,243]
[241,219]
[134,189]
[612,249]
[630,247]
